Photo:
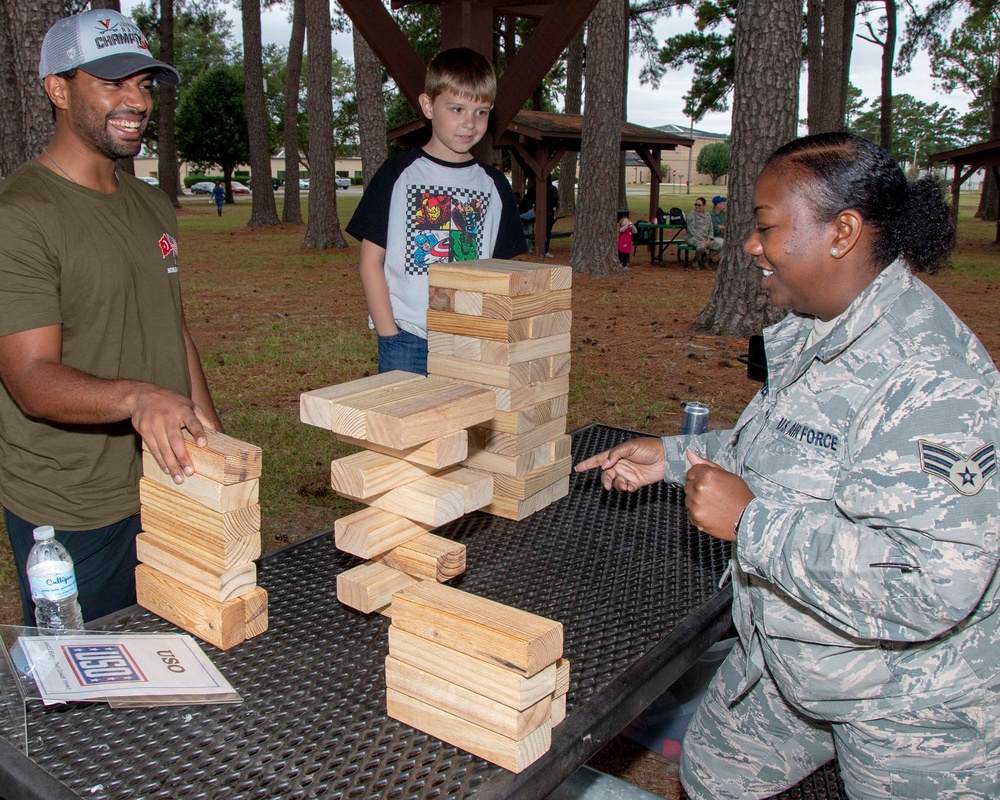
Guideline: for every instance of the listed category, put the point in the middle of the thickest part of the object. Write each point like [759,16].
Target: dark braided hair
[848,171]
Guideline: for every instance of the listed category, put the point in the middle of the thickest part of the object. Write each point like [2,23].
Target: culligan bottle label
[52,580]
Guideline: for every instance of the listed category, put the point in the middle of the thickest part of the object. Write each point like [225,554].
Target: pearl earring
[834,251]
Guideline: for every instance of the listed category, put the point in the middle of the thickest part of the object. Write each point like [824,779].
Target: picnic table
[654,236]
[634,584]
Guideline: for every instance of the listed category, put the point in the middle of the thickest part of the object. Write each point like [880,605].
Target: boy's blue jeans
[404,351]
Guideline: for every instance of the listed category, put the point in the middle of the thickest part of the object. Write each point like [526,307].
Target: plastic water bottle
[53,583]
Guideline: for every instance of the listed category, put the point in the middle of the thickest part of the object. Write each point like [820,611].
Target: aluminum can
[695,418]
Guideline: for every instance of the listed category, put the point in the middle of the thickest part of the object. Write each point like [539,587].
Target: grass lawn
[272,320]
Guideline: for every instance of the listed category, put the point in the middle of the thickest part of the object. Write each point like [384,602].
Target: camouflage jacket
[865,570]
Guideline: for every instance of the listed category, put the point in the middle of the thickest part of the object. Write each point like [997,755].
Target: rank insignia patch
[968,474]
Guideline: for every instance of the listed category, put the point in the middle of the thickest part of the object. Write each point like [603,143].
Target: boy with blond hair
[432,204]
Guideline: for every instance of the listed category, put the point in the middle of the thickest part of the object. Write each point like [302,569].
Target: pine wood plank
[514,444]
[325,408]
[454,699]
[439,342]
[450,407]
[520,465]
[510,754]
[428,557]
[525,350]
[444,451]
[498,330]
[372,532]
[510,376]
[476,486]
[429,500]
[225,539]
[217,496]
[529,418]
[522,487]
[255,612]
[530,395]
[222,624]
[366,474]
[212,581]
[497,306]
[561,278]
[479,627]
[223,459]
[562,676]
[558,709]
[456,301]
[495,276]
[512,508]
[370,586]
[491,680]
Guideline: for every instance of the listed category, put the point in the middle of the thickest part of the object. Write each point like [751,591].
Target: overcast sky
[652,107]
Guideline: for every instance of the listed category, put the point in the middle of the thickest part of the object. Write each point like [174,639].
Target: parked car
[342,183]
[239,188]
[150,181]
[275,183]
[202,187]
[303,183]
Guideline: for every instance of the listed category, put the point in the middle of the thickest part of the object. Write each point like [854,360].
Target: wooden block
[498,306]
[370,587]
[496,276]
[562,676]
[454,699]
[530,395]
[217,496]
[520,465]
[438,453]
[477,486]
[428,557]
[255,612]
[450,407]
[227,539]
[439,342]
[325,408]
[490,680]
[366,474]
[430,501]
[527,419]
[510,376]
[525,350]
[456,301]
[212,581]
[372,532]
[512,508]
[222,624]
[499,330]
[224,459]
[525,486]
[510,754]
[561,278]
[514,444]
[476,626]
[558,709]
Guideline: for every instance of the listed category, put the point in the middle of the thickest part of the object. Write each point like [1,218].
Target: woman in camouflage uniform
[859,488]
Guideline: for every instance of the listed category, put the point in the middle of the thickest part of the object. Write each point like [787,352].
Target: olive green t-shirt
[105,268]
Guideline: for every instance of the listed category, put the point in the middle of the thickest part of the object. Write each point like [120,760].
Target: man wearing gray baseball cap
[95,355]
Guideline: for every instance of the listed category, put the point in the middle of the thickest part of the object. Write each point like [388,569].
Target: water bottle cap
[43,532]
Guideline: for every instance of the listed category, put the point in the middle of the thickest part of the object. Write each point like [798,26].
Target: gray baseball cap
[104,44]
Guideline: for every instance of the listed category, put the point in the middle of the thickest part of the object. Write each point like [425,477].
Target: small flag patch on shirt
[968,474]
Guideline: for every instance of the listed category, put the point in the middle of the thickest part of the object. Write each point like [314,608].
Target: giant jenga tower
[199,542]
[505,326]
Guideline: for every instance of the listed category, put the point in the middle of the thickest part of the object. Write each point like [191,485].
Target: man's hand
[629,465]
[715,498]
[159,415]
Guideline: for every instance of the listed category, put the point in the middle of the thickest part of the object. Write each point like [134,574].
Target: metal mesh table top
[626,575]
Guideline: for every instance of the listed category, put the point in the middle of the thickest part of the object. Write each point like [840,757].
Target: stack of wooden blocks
[199,542]
[477,674]
[505,325]
[413,429]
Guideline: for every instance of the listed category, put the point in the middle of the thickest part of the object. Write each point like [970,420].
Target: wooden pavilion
[965,161]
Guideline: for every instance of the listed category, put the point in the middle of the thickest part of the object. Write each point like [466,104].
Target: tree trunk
[765,106]
[888,57]
[838,32]
[263,212]
[25,117]
[166,147]
[595,247]
[622,193]
[292,211]
[371,107]
[814,58]
[574,97]
[988,196]
[323,228]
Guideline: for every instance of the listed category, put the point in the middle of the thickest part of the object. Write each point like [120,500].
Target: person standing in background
[219,196]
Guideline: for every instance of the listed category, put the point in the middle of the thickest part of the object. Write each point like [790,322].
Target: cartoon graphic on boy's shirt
[447,225]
